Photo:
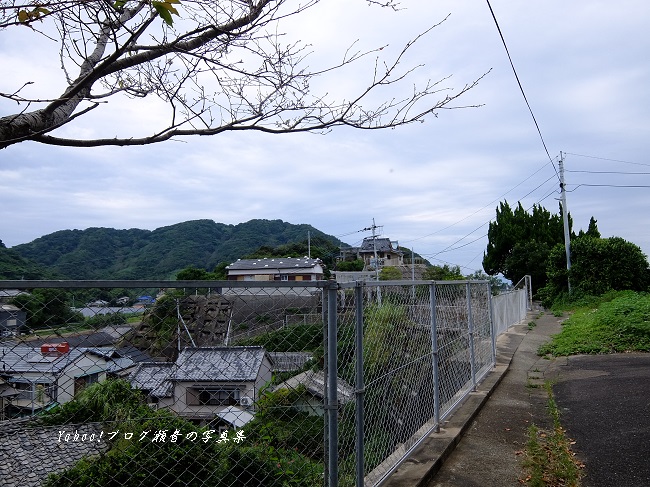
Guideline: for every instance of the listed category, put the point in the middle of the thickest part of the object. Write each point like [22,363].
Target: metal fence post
[434,356]
[332,385]
[470,324]
[359,388]
[493,330]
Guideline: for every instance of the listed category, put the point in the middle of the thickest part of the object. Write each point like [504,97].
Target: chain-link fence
[220,383]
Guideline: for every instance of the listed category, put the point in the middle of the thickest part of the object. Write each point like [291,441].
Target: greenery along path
[614,322]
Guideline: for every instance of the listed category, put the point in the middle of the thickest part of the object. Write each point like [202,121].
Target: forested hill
[107,253]
[13,266]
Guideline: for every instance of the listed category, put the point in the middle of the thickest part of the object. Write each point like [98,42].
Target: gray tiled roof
[219,364]
[154,377]
[274,263]
[382,244]
[29,454]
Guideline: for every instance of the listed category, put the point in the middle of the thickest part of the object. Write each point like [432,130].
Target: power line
[521,88]
[611,186]
[609,172]
[606,159]
[489,204]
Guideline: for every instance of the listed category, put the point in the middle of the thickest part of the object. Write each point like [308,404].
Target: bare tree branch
[221,66]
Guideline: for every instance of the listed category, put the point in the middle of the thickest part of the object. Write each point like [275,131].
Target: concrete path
[604,401]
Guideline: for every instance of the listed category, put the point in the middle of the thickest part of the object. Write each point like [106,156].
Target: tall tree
[218,65]
[519,242]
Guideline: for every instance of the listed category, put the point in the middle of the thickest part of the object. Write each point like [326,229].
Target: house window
[218,397]
[284,277]
[80,383]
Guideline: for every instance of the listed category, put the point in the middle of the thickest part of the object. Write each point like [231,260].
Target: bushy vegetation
[265,457]
[14,267]
[293,338]
[616,322]
[47,308]
[443,273]
[356,265]
[598,265]
[519,242]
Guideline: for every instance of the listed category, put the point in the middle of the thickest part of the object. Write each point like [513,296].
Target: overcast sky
[583,65]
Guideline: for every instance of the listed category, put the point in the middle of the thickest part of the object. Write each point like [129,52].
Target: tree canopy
[598,265]
[519,242]
[218,66]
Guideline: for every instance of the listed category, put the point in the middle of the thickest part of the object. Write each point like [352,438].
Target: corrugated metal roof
[274,263]
[289,361]
[23,359]
[314,382]
[219,364]
[235,416]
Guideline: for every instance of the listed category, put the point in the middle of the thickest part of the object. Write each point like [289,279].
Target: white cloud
[430,185]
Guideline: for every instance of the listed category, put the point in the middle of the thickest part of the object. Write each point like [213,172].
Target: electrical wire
[606,159]
[521,88]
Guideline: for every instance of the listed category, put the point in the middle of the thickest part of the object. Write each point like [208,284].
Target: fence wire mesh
[171,386]
[209,383]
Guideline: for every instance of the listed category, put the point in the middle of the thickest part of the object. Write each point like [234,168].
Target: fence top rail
[35,284]
[404,282]
[72,283]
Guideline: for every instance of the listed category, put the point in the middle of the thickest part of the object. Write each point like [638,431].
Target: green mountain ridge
[108,253]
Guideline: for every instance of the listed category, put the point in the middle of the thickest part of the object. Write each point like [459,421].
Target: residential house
[212,378]
[12,320]
[54,373]
[313,383]
[276,269]
[6,393]
[215,385]
[6,295]
[388,253]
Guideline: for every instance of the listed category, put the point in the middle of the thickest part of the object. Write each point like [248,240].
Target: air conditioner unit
[246,401]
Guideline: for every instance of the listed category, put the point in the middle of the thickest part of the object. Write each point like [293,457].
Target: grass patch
[549,460]
[620,323]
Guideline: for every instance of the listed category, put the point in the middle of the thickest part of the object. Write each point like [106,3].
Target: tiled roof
[219,364]
[382,244]
[30,453]
[154,377]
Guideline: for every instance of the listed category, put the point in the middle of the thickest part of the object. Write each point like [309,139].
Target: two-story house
[276,269]
[54,373]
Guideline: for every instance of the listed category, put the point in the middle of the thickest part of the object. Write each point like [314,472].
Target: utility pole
[309,244]
[374,248]
[565,218]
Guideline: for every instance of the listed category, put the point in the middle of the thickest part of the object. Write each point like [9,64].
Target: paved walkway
[604,401]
